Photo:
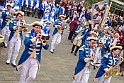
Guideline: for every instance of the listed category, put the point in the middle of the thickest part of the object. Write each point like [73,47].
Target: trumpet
[22,26]
[113,70]
[61,26]
[43,40]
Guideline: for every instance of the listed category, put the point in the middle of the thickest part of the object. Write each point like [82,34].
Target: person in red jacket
[72,25]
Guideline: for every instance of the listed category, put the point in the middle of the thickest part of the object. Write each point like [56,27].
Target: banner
[98,11]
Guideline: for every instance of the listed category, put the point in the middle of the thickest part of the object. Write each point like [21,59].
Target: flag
[98,11]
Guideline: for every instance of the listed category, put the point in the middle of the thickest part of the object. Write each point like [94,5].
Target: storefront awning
[118,4]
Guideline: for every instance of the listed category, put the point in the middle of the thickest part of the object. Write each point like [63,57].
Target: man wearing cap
[15,37]
[58,31]
[31,56]
[82,70]
[108,61]
[5,24]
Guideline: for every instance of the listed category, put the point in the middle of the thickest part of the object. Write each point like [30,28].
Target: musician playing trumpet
[86,55]
[59,25]
[15,37]
[5,24]
[108,61]
[31,56]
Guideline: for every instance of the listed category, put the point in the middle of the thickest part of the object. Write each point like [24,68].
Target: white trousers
[56,40]
[31,66]
[15,43]
[83,77]
[6,33]
[102,79]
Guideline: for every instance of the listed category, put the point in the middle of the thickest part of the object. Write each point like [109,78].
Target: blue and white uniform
[5,25]
[15,39]
[46,16]
[57,34]
[31,57]
[107,61]
[82,70]
[53,15]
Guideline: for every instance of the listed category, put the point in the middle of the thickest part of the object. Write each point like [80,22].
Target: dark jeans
[40,14]
[70,35]
[35,12]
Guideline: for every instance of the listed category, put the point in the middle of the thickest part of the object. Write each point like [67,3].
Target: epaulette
[82,47]
[28,33]
[106,55]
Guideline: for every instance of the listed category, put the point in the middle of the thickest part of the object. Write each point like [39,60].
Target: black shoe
[75,54]
[71,52]
[7,63]
[51,52]
[5,46]
[13,65]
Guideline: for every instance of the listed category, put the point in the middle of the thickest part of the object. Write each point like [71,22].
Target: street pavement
[55,68]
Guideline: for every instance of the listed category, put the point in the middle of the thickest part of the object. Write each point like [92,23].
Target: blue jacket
[53,16]
[46,18]
[5,19]
[29,47]
[84,52]
[46,30]
[107,61]
[105,47]
[57,22]
[11,25]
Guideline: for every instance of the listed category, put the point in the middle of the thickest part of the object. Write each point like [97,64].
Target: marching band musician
[31,56]
[46,16]
[97,59]
[53,15]
[58,31]
[106,39]
[82,70]
[46,30]
[15,37]
[109,60]
[5,24]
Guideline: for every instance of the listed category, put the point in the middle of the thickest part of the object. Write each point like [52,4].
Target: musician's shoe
[52,50]
[5,45]
[13,64]
[7,62]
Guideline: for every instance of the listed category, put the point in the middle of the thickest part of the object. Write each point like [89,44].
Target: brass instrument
[10,16]
[1,39]
[43,40]
[113,70]
[61,26]
[22,26]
